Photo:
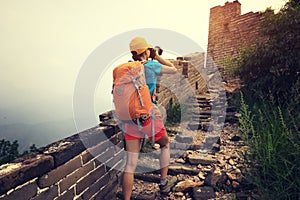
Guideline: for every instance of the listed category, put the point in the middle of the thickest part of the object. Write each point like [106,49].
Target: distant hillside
[39,134]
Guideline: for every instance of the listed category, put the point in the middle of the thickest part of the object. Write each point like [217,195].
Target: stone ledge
[66,149]
[60,172]
[25,191]
[27,170]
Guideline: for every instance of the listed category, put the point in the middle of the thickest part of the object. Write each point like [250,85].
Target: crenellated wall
[188,79]
[229,31]
[69,168]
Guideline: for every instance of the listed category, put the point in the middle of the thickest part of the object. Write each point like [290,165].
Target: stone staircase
[217,174]
[207,166]
[205,112]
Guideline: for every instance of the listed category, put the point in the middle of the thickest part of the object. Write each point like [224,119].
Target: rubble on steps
[216,174]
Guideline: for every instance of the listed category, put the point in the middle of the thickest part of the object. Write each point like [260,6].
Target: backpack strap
[153,127]
[138,90]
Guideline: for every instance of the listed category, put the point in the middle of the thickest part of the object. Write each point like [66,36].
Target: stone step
[200,112]
[198,117]
[196,126]
[203,97]
[199,120]
[199,105]
[142,190]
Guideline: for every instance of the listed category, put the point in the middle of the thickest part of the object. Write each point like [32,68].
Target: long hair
[136,57]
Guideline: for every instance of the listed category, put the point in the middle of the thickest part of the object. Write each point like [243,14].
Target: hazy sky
[43,44]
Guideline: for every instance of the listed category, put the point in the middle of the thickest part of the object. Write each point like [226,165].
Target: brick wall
[69,168]
[229,31]
[178,87]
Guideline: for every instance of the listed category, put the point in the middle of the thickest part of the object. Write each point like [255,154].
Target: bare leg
[164,155]
[133,148]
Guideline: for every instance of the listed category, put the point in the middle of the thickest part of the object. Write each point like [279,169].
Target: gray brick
[96,187]
[67,195]
[30,169]
[105,156]
[48,194]
[62,171]
[75,176]
[26,191]
[90,178]
[108,191]
[116,158]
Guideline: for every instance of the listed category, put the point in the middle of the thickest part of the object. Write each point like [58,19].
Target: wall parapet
[229,31]
[69,168]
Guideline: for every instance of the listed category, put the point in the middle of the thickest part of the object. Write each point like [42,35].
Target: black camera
[154,50]
[158,50]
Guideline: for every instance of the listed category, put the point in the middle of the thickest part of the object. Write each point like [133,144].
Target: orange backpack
[131,94]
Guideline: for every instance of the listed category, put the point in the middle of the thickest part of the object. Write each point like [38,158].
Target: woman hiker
[142,51]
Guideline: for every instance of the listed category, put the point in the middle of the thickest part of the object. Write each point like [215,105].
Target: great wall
[86,165]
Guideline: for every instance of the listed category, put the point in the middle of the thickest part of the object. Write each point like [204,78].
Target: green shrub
[176,113]
[274,153]
[173,113]
[270,71]
[8,151]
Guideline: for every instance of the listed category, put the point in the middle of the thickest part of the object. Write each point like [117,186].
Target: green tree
[8,151]
[271,75]
[271,70]
[33,148]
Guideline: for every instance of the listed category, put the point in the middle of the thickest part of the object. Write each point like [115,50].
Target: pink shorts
[133,133]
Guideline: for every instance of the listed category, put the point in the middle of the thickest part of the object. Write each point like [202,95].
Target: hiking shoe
[164,189]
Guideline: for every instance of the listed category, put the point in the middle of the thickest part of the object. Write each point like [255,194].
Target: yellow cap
[139,45]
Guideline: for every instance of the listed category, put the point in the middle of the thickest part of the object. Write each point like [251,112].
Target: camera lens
[159,50]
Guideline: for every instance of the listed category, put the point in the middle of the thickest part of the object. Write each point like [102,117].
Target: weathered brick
[86,156]
[67,195]
[114,172]
[120,144]
[28,170]
[98,149]
[109,191]
[95,136]
[116,138]
[95,187]
[90,178]
[55,175]
[64,150]
[105,156]
[26,191]
[48,194]
[75,176]
[106,116]
[116,158]
[116,169]
[229,31]
[110,123]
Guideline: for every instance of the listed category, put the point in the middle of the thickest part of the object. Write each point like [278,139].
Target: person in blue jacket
[154,65]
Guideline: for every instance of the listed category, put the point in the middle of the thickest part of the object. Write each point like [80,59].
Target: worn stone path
[217,174]
[202,173]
